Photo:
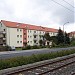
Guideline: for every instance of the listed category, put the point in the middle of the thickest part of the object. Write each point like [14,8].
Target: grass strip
[23,60]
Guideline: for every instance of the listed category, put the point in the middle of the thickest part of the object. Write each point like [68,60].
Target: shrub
[42,46]
[35,47]
[5,48]
[73,43]
[54,45]
[27,47]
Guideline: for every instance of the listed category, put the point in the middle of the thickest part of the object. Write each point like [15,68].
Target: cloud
[39,12]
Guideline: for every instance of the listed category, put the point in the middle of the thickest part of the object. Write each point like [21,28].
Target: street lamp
[64,24]
[63,31]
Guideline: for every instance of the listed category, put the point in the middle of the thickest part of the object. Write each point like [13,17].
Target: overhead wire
[63,6]
[68,3]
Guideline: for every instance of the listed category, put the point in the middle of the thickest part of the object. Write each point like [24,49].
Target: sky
[47,13]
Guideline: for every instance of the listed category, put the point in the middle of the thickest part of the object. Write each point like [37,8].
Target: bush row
[5,48]
[18,61]
[33,47]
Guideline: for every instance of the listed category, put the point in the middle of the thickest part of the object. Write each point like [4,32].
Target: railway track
[59,66]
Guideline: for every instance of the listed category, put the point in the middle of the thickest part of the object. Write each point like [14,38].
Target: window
[20,41]
[20,30]
[17,35]
[24,33]
[34,31]
[28,36]
[28,41]
[53,33]
[34,36]
[24,38]
[20,35]
[17,41]
[4,35]
[4,29]
[40,32]
[30,31]
[34,41]
[17,29]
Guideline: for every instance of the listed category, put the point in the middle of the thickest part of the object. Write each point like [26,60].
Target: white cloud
[70,27]
[39,12]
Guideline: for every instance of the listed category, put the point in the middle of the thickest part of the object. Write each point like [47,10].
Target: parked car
[13,48]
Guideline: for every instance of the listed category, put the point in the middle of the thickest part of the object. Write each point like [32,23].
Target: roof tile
[27,26]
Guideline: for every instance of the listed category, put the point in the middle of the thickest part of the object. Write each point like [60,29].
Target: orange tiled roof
[72,33]
[27,26]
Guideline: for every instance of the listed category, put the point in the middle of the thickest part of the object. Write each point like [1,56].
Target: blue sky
[48,13]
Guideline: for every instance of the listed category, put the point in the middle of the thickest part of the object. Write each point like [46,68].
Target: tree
[54,39]
[67,39]
[47,36]
[41,42]
[60,37]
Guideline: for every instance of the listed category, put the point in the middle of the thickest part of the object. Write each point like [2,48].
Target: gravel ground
[68,70]
[63,71]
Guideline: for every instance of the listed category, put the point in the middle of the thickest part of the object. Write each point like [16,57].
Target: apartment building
[16,34]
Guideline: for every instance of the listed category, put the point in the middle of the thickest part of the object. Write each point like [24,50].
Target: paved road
[10,54]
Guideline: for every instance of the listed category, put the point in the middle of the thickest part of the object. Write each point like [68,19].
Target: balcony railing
[3,32]
[35,33]
[4,38]
[35,44]
[35,38]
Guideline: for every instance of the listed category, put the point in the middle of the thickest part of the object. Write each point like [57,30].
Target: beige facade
[15,37]
[33,36]
[15,34]
[12,36]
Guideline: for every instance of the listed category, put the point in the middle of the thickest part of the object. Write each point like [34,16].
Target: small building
[72,34]
[48,43]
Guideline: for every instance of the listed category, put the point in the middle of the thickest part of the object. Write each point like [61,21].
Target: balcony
[4,38]
[4,32]
[35,33]
[35,44]
[4,41]
[35,38]
[1,42]
[41,38]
